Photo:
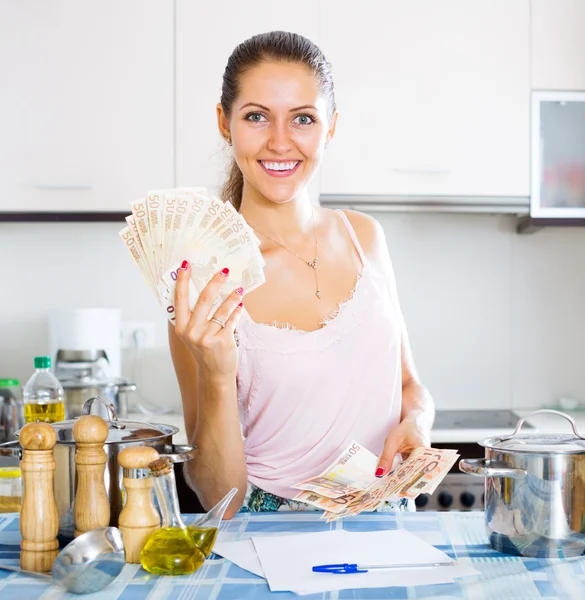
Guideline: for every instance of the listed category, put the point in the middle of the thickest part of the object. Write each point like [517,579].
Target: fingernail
[380,471]
[184,265]
[225,272]
[240,305]
[240,291]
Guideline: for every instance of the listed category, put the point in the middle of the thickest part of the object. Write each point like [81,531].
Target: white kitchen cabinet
[433,97]
[86,112]
[558,44]
[207,33]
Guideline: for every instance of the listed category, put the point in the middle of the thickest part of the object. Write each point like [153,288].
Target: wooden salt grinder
[92,506]
[39,519]
[139,518]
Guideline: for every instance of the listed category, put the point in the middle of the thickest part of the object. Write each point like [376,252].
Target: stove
[460,491]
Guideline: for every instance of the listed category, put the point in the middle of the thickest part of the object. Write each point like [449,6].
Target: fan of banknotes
[348,486]
[170,226]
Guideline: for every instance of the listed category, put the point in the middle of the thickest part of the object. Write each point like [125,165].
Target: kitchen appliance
[535,491]
[122,434]
[88,329]
[11,409]
[461,491]
[83,373]
[558,154]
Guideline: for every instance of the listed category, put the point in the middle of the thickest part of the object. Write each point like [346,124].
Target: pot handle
[178,454]
[478,467]
[110,408]
[548,411]
[11,449]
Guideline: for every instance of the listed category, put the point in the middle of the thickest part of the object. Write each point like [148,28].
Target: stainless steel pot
[122,434]
[79,389]
[534,491]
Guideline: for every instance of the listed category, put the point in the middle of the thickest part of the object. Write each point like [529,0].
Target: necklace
[311,263]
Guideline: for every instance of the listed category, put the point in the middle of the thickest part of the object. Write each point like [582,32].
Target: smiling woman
[319,355]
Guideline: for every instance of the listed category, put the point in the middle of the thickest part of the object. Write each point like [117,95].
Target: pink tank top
[303,396]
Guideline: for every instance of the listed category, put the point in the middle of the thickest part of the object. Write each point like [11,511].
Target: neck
[282,222]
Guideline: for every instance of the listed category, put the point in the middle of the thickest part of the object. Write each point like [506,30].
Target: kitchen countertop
[544,423]
[461,535]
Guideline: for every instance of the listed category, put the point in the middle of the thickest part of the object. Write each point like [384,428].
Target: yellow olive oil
[50,412]
[171,551]
[204,538]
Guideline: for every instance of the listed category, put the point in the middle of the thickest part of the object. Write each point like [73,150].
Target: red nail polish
[240,291]
[225,272]
[241,305]
[184,265]
[380,471]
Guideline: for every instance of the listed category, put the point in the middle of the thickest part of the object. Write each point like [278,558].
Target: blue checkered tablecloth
[461,535]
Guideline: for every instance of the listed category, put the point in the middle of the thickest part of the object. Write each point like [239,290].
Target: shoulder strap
[353,236]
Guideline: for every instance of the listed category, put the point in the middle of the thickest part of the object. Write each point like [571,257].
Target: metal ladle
[87,564]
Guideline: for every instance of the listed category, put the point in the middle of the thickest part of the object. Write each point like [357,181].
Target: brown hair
[277,46]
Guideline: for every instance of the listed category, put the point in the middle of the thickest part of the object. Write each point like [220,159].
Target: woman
[319,355]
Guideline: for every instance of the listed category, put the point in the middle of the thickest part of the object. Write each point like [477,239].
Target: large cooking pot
[122,434]
[534,491]
[78,389]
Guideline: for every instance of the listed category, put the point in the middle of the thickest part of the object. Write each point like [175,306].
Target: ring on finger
[218,321]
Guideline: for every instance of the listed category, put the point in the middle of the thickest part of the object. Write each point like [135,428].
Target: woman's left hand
[403,439]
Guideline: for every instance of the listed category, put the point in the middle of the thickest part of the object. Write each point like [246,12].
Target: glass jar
[10,489]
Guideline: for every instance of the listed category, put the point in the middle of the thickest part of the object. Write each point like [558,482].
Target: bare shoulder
[369,233]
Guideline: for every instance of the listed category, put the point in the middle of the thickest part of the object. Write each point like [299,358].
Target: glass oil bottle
[204,529]
[171,549]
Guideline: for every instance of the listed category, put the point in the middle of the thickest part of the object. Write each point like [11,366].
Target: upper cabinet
[433,97]
[87,109]
[558,45]
[207,33]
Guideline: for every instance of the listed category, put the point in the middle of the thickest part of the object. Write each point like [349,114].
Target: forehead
[279,85]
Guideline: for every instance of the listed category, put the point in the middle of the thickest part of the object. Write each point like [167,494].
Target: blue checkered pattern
[461,535]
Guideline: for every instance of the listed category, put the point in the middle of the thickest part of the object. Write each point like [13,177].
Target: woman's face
[279,127]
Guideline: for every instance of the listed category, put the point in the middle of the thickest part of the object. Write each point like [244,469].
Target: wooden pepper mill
[92,506]
[139,518]
[39,519]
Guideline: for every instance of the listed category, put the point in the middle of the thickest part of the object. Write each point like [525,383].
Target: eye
[254,117]
[305,119]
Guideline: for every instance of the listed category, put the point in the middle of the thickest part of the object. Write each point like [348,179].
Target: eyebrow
[267,109]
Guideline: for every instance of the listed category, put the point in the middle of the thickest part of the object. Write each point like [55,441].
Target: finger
[182,310]
[386,461]
[210,292]
[224,312]
[232,322]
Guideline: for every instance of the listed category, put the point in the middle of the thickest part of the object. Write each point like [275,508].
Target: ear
[331,130]
[222,122]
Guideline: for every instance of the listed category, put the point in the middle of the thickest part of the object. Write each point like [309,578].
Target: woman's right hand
[213,346]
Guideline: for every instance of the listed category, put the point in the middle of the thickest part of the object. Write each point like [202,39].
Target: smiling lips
[280,168]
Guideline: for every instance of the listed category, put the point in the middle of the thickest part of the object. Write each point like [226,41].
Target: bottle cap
[42,362]
[6,383]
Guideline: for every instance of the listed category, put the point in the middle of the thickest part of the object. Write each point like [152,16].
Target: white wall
[496,319]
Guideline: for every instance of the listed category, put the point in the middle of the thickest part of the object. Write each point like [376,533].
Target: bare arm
[209,397]
[418,412]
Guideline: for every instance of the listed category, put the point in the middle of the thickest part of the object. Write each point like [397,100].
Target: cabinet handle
[421,170]
[63,186]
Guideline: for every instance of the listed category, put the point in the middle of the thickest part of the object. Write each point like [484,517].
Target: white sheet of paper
[287,561]
[241,553]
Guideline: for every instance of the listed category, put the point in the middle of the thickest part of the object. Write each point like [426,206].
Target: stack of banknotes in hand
[170,226]
[348,486]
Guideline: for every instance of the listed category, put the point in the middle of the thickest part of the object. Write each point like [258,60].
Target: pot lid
[119,430]
[539,443]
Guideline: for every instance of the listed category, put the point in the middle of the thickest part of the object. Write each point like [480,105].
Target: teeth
[280,166]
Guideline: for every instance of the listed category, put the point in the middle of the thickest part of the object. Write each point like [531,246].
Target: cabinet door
[433,97]
[207,33]
[87,110]
[558,44]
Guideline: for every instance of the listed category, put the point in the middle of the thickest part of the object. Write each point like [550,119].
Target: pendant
[313,263]
[318,294]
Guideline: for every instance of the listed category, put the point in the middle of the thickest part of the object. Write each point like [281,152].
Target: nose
[279,140]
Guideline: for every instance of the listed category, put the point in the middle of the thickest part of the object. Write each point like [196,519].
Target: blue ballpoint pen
[346,568]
